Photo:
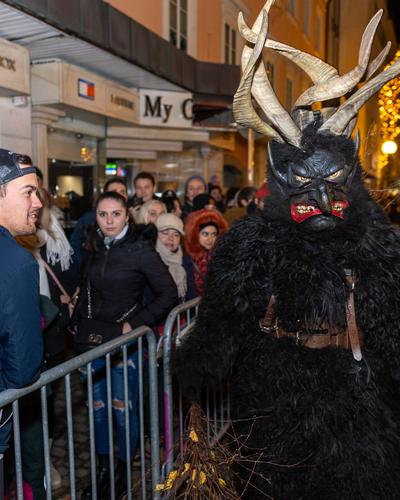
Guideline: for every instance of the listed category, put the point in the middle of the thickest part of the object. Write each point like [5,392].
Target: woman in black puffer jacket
[122,261]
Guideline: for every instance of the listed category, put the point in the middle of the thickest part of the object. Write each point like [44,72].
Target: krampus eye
[335,175]
[300,178]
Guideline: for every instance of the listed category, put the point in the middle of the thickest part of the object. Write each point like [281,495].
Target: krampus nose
[323,198]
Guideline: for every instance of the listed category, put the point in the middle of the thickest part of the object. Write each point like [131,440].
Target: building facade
[118,87]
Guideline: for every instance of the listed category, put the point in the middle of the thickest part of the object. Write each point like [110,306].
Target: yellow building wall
[148,12]
[283,26]
[209,41]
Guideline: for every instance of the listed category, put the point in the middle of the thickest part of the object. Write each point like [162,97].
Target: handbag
[92,332]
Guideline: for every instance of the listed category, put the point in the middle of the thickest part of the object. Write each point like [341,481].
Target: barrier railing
[64,371]
[216,404]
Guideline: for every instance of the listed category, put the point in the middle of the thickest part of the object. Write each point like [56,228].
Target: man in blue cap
[20,322]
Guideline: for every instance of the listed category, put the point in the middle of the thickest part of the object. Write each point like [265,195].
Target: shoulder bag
[92,332]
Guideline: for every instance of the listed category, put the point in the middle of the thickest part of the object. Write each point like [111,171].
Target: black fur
[321,425]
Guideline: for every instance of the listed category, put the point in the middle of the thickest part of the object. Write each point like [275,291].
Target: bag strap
[56,280]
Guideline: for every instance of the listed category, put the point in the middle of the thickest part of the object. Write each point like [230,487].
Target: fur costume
[313,424]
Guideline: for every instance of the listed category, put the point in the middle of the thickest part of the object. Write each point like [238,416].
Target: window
[306,17]
[318,34]
[288,94]
[291,6]
[229,45]
[178,22]
[270,72]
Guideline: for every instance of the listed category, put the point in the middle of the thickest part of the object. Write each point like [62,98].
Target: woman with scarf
[202,230]
[169,247]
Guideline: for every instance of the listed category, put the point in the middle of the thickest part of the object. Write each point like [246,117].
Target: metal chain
[119,320]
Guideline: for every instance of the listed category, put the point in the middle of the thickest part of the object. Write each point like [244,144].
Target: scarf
[109,240]
[58,248]
[173,260]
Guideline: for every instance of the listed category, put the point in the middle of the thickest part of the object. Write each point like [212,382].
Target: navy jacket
[21,348]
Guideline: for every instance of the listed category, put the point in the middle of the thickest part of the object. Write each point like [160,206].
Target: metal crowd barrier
[216,404]
[64,371]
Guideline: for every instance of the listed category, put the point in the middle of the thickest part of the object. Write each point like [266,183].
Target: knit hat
[169,221]
[10,168]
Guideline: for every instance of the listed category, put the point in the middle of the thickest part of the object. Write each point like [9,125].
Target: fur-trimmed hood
[192,229]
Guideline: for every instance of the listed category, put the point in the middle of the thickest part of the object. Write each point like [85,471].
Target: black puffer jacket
[118,276]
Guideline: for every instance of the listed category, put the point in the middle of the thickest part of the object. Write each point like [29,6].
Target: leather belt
[319,338]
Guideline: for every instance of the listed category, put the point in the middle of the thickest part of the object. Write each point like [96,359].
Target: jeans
[100,402]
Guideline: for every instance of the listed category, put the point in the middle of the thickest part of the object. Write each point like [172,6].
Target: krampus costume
[302,302]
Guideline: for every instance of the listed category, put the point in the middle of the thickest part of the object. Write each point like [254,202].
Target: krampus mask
[313,162]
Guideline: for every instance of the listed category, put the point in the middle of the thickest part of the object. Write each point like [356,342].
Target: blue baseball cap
[10,167]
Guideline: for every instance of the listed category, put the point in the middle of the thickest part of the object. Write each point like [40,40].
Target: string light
[389,115]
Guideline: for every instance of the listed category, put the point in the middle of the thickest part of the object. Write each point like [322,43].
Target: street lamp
[389,147]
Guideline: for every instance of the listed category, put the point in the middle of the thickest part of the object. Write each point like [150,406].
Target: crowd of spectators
[127,263]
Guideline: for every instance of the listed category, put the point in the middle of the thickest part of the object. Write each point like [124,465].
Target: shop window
[229,45]
[318,33]
[178,23]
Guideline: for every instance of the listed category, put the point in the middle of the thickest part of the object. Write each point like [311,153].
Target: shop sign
[122,103]
[14,69]
[56,82]
[165,109]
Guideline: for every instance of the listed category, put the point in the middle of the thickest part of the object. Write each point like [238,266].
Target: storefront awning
[45,42]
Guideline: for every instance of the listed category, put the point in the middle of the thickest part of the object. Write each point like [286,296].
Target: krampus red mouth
[303,211]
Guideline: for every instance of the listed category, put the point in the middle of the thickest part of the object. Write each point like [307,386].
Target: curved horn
[376,63]
[316,69]
[265,96]
[243,110]
[328,84]
[349,109]
[341,85]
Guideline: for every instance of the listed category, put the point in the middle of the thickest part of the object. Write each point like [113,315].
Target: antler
[338,122]
[255,82]
[243,110]
[328,83]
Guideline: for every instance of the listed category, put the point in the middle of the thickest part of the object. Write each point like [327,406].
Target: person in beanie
[169,247]
[20,326]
